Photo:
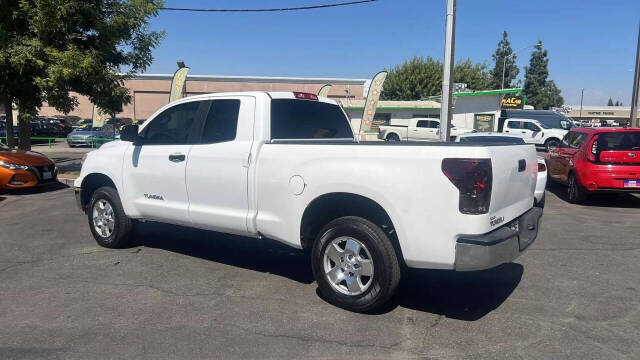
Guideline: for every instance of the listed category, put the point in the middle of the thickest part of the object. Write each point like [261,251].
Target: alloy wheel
[348,265]
[103,218]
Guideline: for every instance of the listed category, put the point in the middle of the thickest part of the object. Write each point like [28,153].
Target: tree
[541,92]
[618,103]
[413,80]
[504,58]
[610,102]
[49,49]
[421,77]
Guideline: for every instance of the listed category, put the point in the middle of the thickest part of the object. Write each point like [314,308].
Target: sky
[591,43]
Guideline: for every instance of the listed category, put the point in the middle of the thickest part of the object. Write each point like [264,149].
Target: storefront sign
[372,101]
[512,102]
[178,84]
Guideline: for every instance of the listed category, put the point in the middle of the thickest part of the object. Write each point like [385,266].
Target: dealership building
[149,92]
[596,114]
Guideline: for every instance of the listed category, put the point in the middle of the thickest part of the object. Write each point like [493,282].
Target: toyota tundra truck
[287,166]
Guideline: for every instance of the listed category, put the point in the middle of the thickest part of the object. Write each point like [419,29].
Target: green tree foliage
[618,103]
[610,102]
[504,58]
[420,77]
[50,48]
[541,92]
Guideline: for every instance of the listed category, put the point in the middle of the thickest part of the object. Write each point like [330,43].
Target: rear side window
[305,119]
[423,124]
[577,140]
[619,141]
[514,125]
[222,121]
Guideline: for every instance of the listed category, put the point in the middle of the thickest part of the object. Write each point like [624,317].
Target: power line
[271,10]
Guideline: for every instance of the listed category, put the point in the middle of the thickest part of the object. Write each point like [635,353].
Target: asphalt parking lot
[181,293]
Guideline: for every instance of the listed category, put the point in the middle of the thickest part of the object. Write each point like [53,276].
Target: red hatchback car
[590,160]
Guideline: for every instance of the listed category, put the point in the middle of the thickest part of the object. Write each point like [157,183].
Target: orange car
[22,169]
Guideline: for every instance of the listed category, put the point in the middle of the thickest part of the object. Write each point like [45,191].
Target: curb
[67,179]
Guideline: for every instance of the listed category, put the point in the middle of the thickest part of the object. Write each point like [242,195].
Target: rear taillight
[305,96]
[592,151]
[542,167]
[473,178]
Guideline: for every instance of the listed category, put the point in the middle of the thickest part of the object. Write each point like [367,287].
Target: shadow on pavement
[465,296]
[262,255]
[614,200]
[458,295]
[38,189]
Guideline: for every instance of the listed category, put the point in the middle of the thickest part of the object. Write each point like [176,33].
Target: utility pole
[447,76]
[636,87]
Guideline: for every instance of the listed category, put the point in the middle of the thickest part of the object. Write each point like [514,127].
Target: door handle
[176,157]
[524,132]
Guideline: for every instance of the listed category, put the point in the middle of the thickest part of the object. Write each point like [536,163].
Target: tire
[575,193]
[393,137]
[345,284]
[551,144]
[106,208]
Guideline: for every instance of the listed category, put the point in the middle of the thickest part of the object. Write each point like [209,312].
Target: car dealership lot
[193,294]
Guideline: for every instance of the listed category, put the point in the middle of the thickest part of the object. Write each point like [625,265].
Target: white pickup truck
[419,129]
[534,132]
[286,166]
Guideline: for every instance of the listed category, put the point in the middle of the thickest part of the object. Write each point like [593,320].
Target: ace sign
[512,102]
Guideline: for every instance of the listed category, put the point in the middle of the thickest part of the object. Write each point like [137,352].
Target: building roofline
[488,92]
[263,79]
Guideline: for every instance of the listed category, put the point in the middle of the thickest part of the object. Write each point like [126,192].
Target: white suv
[534,132]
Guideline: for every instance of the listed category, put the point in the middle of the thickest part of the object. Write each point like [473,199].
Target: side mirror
[130,133]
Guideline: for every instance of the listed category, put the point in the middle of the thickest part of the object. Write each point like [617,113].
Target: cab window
[177,125]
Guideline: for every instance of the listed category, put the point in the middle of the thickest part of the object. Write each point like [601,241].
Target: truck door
[423,130]
[532,133]
[154,172]
[217,172]
[513,127]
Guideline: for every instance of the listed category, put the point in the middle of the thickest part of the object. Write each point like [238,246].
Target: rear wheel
[551,144]
[575,193]
[107,221]
[354,264]
[393,137]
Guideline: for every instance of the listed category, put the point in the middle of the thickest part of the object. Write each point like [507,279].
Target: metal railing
[94,142]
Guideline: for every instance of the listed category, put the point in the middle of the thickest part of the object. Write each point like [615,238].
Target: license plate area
[631,183]
[46,175]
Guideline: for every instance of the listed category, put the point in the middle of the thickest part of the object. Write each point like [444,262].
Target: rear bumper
[607,178]
[478,252]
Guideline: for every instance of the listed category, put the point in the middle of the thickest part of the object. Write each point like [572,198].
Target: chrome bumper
[503,245]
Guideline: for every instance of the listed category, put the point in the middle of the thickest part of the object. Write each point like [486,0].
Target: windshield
[88,128]
[492,139]
[545,126]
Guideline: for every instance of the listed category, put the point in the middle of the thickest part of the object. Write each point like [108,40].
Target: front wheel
[354,264]
[109,225]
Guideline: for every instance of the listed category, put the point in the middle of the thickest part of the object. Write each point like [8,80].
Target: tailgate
[515,172]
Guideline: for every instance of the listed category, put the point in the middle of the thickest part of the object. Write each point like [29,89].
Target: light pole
[633,121]
[504,63]
[447,75]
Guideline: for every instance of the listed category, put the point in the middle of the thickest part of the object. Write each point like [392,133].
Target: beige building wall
[151,92]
